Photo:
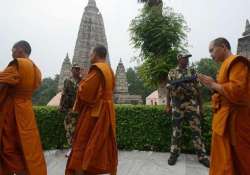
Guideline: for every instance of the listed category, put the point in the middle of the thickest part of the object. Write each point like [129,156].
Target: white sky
[51,26]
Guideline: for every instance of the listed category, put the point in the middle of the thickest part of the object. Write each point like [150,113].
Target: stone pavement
[137,163]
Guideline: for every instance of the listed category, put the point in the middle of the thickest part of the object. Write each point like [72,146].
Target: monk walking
[230,153]
[20,147]
[94,149]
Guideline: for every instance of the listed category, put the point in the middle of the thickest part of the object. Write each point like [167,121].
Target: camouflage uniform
[184,102]
[66,104]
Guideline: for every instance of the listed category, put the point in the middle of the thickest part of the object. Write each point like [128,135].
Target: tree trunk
[162,91]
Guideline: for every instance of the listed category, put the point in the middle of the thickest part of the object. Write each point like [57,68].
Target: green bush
[51,126]
[138,128]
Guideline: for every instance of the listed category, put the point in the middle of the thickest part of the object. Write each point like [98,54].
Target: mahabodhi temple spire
[91,33]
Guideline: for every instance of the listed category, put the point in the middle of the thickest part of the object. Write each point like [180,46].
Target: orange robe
[230,153]
[20,146]
[94,148]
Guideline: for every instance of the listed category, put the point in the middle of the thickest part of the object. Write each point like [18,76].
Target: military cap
[183,56]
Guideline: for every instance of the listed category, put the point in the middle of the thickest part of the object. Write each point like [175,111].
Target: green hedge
[50,124]
[138,128]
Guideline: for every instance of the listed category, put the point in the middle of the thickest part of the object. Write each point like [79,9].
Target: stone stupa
[121,95]
[244,42]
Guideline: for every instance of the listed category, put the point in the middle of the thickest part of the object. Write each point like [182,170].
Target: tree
[159,38]
[46,92]
[152,3]
[135,85]
[208,67]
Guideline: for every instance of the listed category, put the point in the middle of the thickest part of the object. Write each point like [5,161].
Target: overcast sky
[51,26]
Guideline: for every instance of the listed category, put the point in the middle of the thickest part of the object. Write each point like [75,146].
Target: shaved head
[23,45]
[220,49]
[21,49]
[221,42]
[100,51]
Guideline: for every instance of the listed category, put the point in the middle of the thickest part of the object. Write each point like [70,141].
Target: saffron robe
[20,146]
[94,148]
[230,153]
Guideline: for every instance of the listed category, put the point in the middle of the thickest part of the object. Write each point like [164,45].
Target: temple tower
[244,42]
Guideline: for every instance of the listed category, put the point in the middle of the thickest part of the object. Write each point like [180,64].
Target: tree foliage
[136,86]
[208,67]
[159,37]
[46,92]
[152,3]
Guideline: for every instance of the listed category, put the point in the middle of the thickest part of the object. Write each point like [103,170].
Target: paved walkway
[137,163]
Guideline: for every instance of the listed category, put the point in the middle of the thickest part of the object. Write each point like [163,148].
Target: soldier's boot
[173,158]
[204,161]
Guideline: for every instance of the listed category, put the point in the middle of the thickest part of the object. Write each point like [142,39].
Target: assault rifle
[179,82]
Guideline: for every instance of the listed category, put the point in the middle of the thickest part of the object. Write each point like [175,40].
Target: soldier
[67,101]
[184,102]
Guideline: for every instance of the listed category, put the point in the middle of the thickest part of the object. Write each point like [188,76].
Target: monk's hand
[207,81]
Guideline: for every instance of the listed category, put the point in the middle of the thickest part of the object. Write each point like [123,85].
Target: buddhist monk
[20,147]
[94,149]
[230,152]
